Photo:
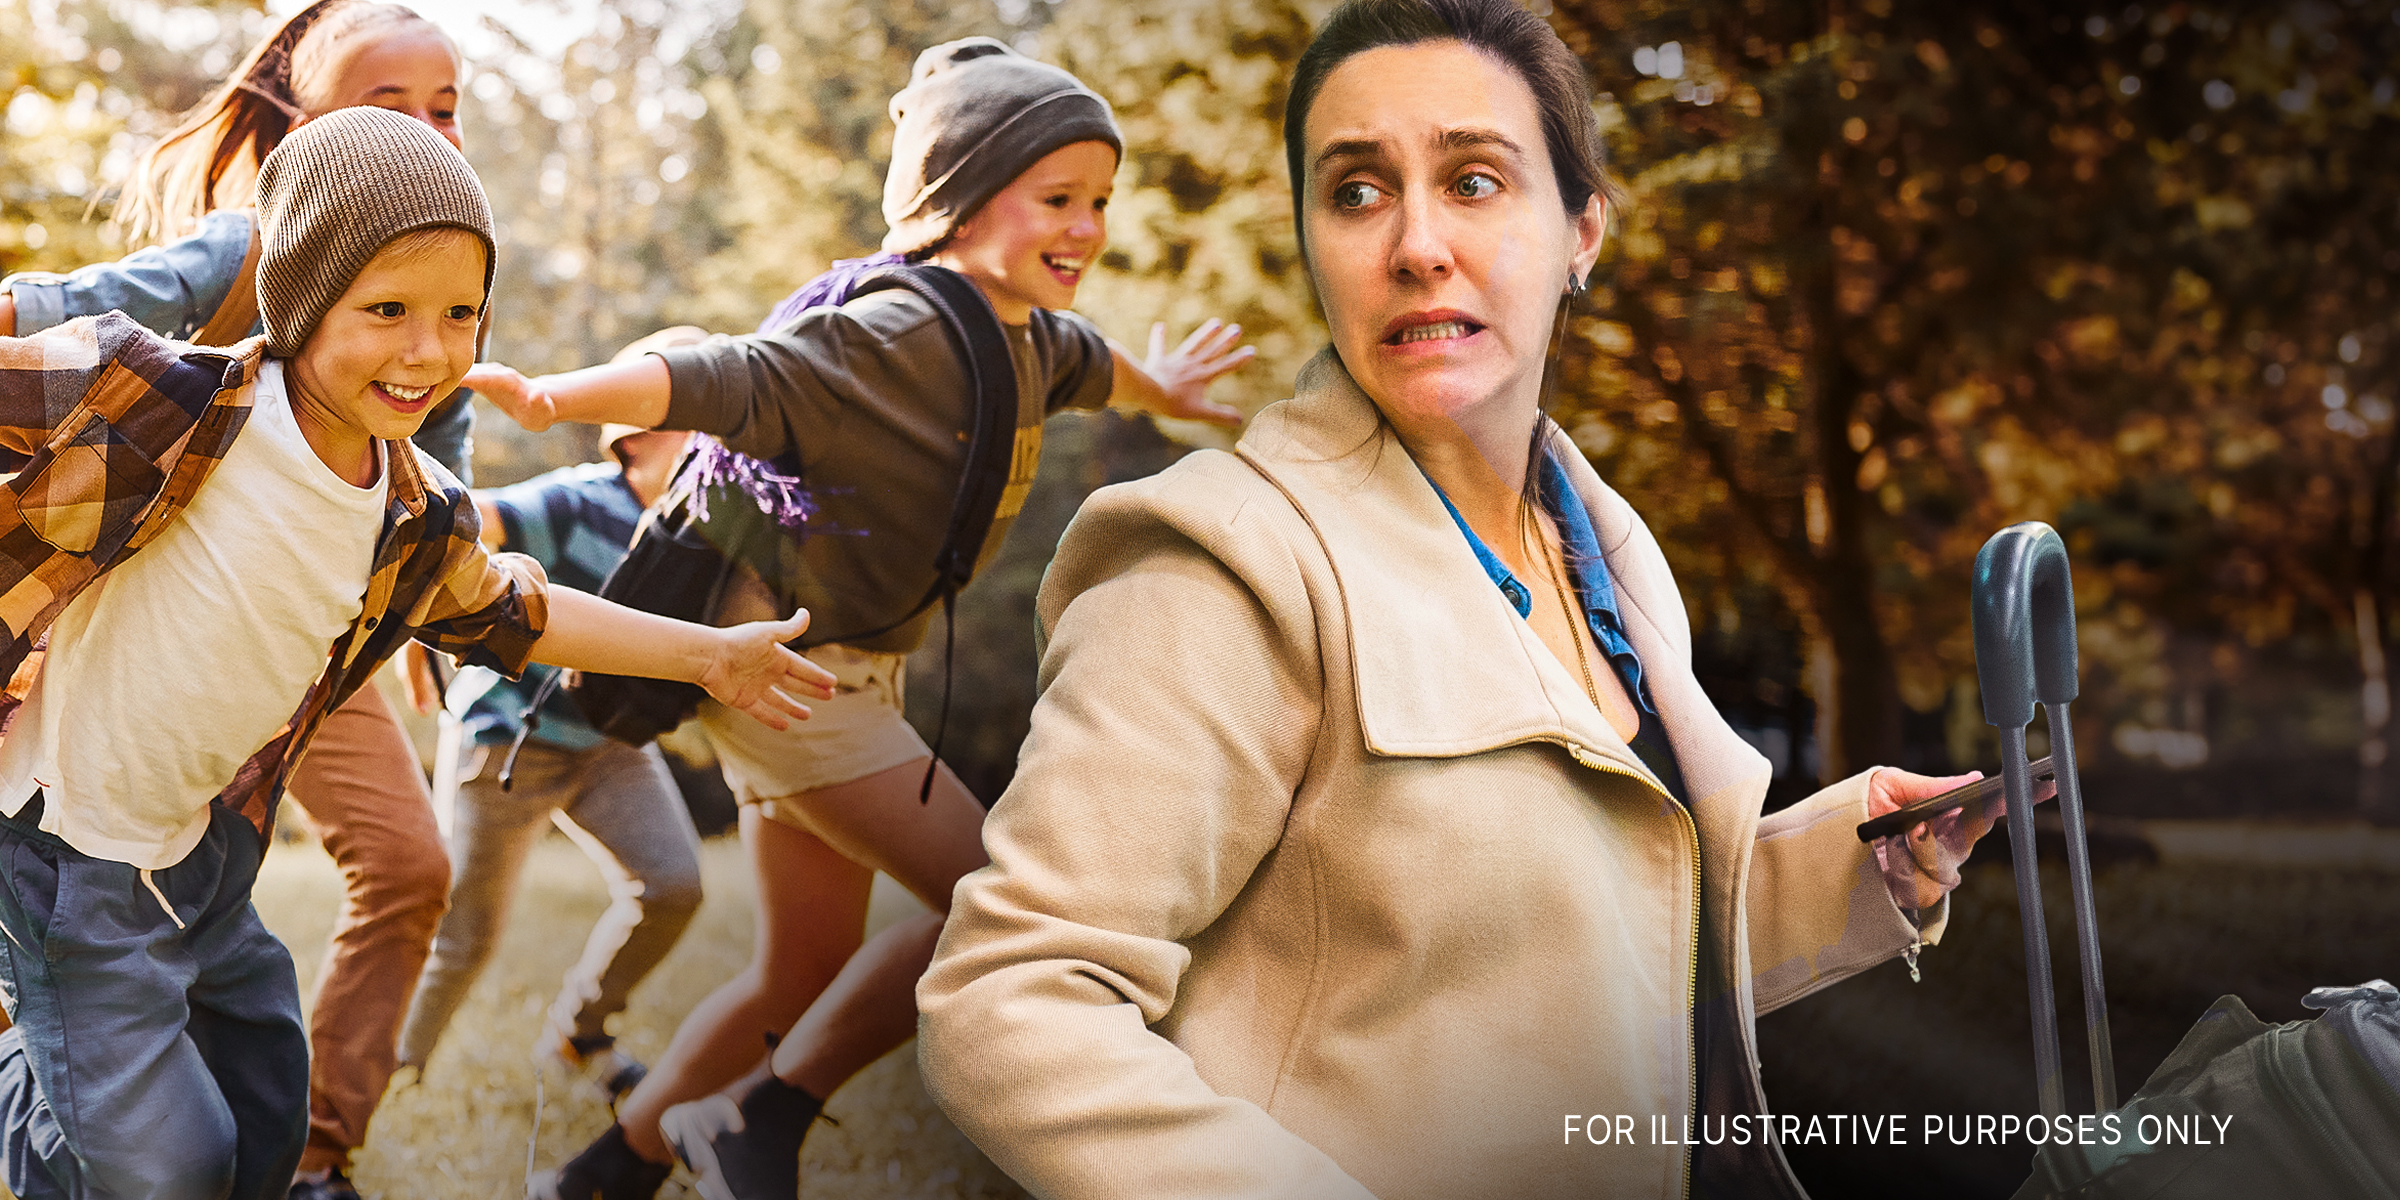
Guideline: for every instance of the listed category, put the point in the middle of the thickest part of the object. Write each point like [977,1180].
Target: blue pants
[150,1059]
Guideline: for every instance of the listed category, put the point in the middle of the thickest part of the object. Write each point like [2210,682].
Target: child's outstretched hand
[1183,374]
[752,670]
[513,394]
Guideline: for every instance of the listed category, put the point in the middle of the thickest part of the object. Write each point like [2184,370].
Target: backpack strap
[982,349]
[239,310]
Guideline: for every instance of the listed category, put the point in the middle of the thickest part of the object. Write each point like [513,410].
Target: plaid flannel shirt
[123,427]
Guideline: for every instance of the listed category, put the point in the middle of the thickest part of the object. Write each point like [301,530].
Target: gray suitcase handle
[2024,623]
[2024,612]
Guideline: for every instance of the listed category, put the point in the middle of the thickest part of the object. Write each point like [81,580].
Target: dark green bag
[672,570]
[2303,1109]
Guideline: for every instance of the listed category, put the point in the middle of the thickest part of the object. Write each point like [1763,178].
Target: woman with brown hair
[1372,823]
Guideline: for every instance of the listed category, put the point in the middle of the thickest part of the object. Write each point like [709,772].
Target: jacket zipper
[1691,964]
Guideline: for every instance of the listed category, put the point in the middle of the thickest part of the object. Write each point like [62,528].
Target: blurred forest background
[1892,276]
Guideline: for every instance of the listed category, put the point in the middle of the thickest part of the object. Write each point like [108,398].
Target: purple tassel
[832,287]
[782,497]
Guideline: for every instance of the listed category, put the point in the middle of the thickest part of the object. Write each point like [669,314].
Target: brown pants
[364,793]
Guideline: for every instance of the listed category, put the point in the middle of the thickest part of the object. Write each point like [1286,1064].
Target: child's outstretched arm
[743,666]
[1175,383]
[632,392]
[602,389]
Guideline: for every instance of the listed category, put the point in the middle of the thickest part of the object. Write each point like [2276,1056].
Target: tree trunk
[2373,539]
[1865,697]
[2375,705]
[1865,726]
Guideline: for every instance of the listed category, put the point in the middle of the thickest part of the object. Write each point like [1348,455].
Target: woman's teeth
[408,394]
[1439,329]
[1065,266]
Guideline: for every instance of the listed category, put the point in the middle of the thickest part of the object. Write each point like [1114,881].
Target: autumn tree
[85,86]
[1201,224]
[1894,276]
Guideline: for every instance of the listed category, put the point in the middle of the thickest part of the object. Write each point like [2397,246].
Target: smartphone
[1901,820]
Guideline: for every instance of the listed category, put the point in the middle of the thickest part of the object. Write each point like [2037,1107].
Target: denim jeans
[158,1050]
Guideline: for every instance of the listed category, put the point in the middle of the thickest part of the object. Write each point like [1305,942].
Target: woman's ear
[1591,228]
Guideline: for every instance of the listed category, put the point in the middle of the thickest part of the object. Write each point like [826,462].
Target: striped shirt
[576,522]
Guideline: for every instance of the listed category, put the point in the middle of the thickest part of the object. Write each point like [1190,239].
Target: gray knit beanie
[339,189]
[974,116]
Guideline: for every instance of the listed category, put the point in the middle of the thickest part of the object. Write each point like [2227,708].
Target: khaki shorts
[856,734]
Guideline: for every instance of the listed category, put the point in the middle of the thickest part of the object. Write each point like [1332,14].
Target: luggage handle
[2024,617]
[2024,623]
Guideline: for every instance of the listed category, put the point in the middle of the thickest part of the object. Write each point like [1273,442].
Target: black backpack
[674,570]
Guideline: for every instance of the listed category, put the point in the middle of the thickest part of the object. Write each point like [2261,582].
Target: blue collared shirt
[1585,566]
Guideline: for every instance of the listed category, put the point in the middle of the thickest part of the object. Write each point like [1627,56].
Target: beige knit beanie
[974,116]
[338,190]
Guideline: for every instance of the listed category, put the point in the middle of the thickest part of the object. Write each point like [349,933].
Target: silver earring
[1575,286]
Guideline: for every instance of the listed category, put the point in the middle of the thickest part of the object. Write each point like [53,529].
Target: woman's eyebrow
[1447,140]
[1362,147]
[1476,139]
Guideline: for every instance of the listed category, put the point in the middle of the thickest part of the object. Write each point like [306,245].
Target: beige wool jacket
[1321,877]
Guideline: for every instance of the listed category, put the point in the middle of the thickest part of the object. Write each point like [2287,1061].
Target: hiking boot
[608,1169]
[747,1149]
[334,1186]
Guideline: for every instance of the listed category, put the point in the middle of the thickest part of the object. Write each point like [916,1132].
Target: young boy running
[208,551]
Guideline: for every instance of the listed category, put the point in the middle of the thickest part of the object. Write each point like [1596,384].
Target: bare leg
[868,1012]
[856,1020]
[812,912]
[746,1139]
[858,1010]
[871,1008]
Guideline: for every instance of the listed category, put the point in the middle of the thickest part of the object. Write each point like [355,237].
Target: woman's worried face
[1435,231]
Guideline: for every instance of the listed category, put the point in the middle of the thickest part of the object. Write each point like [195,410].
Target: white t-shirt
[173,669]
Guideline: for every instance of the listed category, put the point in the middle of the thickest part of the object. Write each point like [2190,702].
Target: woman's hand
[1922,864]
[1174,383]
[750,669]
[513,394]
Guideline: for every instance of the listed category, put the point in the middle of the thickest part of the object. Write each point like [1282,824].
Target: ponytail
[210,160]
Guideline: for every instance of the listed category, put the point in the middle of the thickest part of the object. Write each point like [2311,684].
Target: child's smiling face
[395,344]
[1030,245]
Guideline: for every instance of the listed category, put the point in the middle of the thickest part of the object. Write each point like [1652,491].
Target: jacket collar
[1443,665]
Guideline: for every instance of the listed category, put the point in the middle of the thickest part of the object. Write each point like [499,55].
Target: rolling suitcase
[2241,1108]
